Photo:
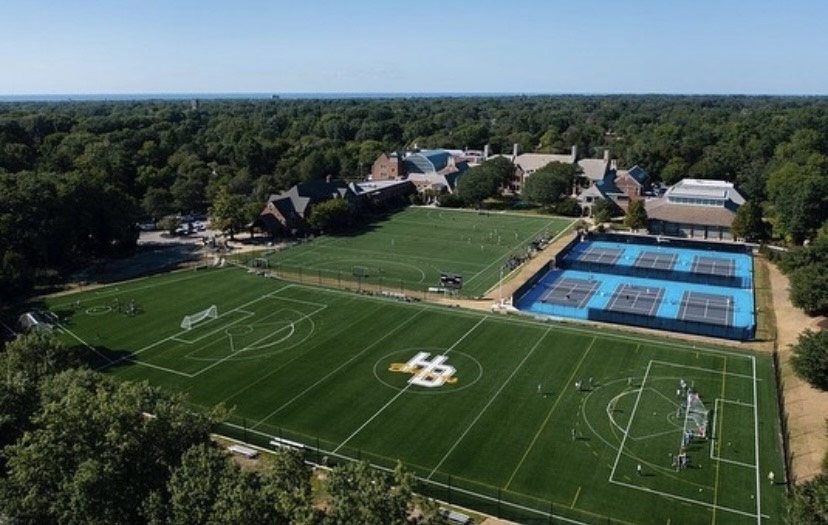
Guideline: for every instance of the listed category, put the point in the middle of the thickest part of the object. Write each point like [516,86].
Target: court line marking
[491,400]
[688,500]
[404,390]
[756,444]
[336,370]
[548,415]
[629,423]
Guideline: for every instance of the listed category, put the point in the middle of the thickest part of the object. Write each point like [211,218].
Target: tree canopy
[810,358]
[636,216]
[550,184]
[75,177]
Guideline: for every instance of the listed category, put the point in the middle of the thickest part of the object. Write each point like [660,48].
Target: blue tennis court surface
[676,289]
[661,261]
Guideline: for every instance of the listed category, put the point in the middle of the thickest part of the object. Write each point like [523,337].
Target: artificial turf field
[492,428]
[410,249]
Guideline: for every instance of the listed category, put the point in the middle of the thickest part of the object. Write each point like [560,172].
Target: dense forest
[75,177]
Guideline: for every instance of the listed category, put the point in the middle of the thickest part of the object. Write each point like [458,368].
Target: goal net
[696,415]
[191,320]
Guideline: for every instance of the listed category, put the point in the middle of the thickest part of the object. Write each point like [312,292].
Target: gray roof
[706,189]
[594,169]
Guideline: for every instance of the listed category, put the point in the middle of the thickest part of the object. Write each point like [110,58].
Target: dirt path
[806,406]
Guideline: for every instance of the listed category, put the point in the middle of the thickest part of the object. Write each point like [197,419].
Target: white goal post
[696,417]
[191,320]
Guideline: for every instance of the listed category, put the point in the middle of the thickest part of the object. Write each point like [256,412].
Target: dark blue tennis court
[661,261]
[596,284]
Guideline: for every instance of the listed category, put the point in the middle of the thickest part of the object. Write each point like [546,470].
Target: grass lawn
[483,408]
[412,247]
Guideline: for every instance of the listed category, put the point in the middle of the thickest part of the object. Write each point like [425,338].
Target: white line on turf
[404,390]
[162,368]
[548,415]
[756,445]
[629,423]
[180,333]
[491,400]
[508,254]
[682,498]
[701,369]
[337,369]
[84,343]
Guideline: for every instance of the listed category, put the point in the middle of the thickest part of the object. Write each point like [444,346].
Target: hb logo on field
[427,372]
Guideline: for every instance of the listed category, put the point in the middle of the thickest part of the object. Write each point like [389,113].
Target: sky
[777,47]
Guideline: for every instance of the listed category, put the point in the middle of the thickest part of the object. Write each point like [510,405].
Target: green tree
[97,450]
[229,212]
[809,503]
[478,184]
[809,288]
[551,184]
[330,215]
[747,224]
[361,494]
[799,196]
[16,276]
[195,484]
[601,211]
[636,216]
[26,361]
[810,358]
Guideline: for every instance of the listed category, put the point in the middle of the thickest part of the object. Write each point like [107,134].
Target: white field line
[215,331]
[337,369]
[756,445]
[701,369]
[548,415]
[605,333]
[629,423]
[687,500]
[106,292]
[132,355]
[384,255]
[84,343]
[9,329]
[404,390]
[251,345]
[740,403]
[162,368]
[491,400]
[522,241]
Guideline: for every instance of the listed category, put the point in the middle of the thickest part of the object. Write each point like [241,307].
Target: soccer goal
[696,417]
[191,320]
[360,271]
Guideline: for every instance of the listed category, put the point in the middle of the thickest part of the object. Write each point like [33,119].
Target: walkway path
[806,406]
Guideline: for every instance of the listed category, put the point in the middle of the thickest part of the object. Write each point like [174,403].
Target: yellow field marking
[577,493]
[551,410]
[719,444]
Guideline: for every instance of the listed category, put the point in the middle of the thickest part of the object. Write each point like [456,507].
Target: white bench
[286,443]
[240,450]
[456,517]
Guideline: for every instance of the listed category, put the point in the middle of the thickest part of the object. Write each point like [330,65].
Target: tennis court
[661,261]
[570,292]
[636,299]
[707,308]
[669,288]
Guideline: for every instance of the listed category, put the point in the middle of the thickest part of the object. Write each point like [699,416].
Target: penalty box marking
[716,457]
[662,493]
